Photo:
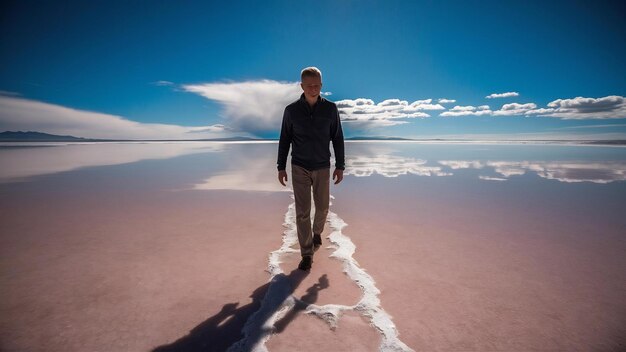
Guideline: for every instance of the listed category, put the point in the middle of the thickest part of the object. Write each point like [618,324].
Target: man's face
[311,86]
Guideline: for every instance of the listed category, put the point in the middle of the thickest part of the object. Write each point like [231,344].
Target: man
[309,125]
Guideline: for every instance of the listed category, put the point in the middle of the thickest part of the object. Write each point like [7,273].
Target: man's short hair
[310,72]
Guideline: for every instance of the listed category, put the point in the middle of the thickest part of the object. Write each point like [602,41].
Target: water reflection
[250,174]
[20,162]
[247,167]
[252,166]
[565,171]
[390,166]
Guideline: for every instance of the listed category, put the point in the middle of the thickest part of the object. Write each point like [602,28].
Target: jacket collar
[303,99]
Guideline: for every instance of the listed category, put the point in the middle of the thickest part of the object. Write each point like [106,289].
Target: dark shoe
[317,242]
[305,263]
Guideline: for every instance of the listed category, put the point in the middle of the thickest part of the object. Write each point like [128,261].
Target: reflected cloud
[566,171]
[19,162]
[596,172]
[489,178]
[461,164]
[390,166]
[256,175]
[251,168]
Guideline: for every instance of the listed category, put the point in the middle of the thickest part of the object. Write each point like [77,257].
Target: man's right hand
[282,177]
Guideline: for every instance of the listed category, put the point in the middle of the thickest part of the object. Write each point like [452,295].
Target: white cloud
[426,105]
[257,106]
[364,114]
[363,101]
[467,111]
[393,102]
[609,107]
[515,109]
[516,106]
[446,101]
[502,95]
[252,106]
[19,114]
[463,108]
[539,111]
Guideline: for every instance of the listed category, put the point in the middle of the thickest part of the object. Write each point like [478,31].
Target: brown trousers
[303,180]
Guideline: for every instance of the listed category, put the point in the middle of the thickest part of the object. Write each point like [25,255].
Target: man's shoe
[305,263]
[317,242]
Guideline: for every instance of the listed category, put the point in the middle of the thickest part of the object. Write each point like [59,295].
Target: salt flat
[141,246]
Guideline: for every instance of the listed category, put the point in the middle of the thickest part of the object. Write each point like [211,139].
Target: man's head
[311,82]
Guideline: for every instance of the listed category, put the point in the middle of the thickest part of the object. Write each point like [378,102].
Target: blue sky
[161,69]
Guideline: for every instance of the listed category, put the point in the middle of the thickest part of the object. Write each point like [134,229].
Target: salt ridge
[278,300]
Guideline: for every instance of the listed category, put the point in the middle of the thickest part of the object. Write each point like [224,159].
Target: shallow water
[474,214]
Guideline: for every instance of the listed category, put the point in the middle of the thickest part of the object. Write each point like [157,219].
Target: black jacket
[310,131]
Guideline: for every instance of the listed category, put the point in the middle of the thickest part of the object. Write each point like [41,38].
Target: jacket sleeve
[286,133]
[337,138]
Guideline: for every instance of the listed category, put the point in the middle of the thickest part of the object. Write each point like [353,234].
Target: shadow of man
[309,298]
[245,325]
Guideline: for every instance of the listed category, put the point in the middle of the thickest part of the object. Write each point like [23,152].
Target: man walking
[309,125]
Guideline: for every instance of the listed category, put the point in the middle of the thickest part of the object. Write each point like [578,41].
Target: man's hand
[338,173]
[282,177]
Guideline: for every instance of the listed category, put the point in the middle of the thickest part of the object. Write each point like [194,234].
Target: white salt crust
[278,300]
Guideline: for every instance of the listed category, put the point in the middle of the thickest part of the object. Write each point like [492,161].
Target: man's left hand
[338,173]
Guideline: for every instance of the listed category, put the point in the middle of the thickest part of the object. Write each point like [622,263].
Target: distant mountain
[19,136]
[32,136]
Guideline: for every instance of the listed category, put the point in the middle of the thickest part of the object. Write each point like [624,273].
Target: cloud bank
[579,108]
[364,114]
[19,114]
[257,106]
[467,111]
[609,107]
[252,106]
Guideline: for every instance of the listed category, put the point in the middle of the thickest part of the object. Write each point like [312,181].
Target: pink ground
[183,270]
[490,277]
[132,272]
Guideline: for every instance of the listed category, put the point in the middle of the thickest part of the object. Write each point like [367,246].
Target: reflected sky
[597,172]
[495,162]
[559,209]
[252,166]
[19,162]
